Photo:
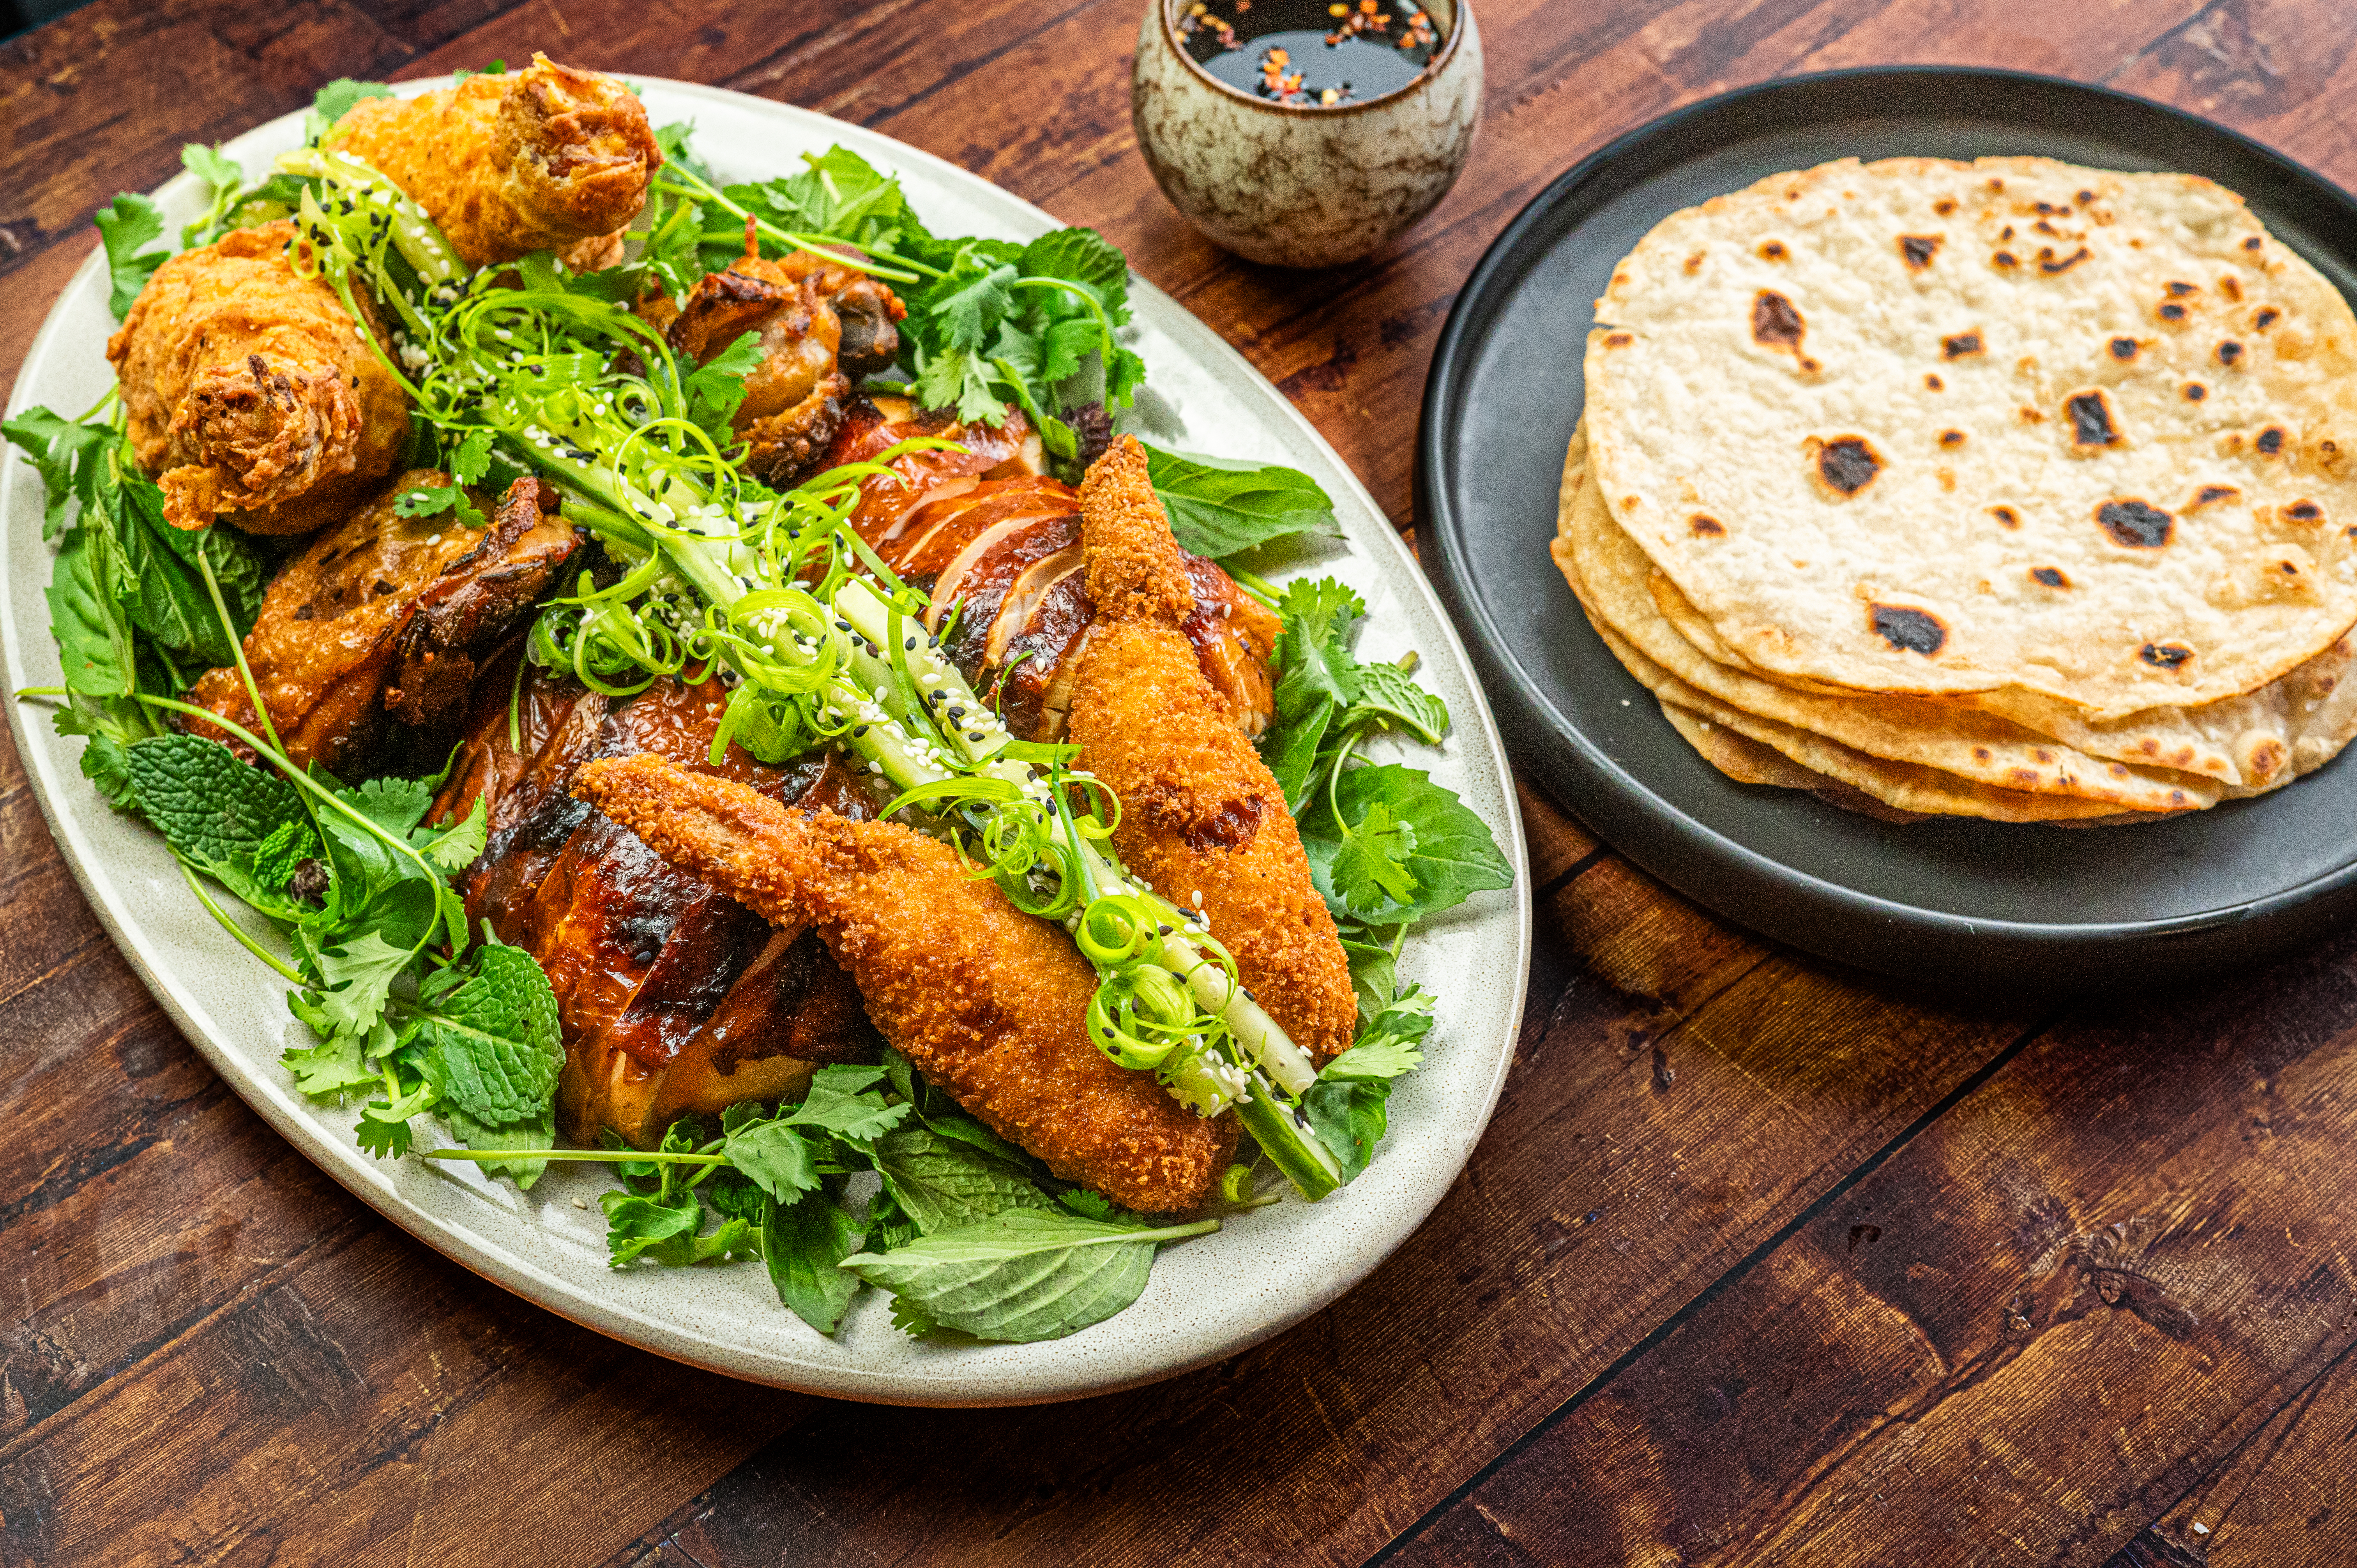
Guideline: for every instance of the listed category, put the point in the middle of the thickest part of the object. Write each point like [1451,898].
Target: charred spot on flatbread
[1951,438]
[1945,206]
[1908,629]
[2138,524]
[2005,261]
[2229,351]
[2091,419]
[2173,311]
[2209,495]
[1848,464]
[2164,655]
[1962,344]
[2124,348]
[2266,318]
[2006,516]
[2303,511]
[1776,322]
[1932,382]
[1772,250]
[2270,441]
[1618,339]
[2179,290]
[1918,250]
[2195,391]
[2053,576]
[2050,263]
[1705,525]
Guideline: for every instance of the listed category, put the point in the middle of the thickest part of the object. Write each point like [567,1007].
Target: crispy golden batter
[250,390]
[1202,820]
[546,158]
[989,1002]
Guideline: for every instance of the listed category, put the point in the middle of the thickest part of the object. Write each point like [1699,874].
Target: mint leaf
[216,812]
[491,1045]
[1219,507]
[1020,1276]
[943,1183]
[1442,847]
[779,1159]
[803,1240]
[129,225]
[1387,693]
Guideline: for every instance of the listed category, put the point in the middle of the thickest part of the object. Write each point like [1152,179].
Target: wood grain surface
[1762,1261]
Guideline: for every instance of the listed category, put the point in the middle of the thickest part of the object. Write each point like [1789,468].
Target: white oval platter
[1208,1298]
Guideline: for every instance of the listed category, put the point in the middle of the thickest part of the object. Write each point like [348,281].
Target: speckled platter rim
[1208,1298]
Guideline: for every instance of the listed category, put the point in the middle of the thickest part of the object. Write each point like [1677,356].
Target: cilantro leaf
[471,458]
[67,456]
[129,225]
[958,379]
[1442,850]
[335,101]
[432,500]
[355,978]
[1387,1044]
[803,1240]
[1313,652]
[717,390]
[1370,867]
[837,1104]
[462,845]
[635,1224]
[966,315]
[104,762]
[339,1062]
[1219,507]
[779,1159]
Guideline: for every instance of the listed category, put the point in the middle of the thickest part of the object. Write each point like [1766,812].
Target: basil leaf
[1348,1117]
[1021,1276]
[1220,507]
[803,1241]
[86,616]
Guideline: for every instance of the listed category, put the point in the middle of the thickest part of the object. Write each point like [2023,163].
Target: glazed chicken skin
[507,164]
[988,1003]
[980,526]
[1203,819]
[384,617]
[672,996]
[825,327]
[251,391]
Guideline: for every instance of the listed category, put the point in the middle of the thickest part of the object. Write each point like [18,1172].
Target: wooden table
[1761,1260]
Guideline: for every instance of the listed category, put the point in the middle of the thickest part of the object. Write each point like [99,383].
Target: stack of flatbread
[2005,489]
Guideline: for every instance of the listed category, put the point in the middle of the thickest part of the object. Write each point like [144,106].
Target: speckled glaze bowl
[1303,185]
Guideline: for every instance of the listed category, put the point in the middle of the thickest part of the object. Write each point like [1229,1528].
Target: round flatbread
[1929,427]
[1611,577]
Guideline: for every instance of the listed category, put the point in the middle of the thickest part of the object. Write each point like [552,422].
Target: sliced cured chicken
[997,544]
[384,617]
[672,996]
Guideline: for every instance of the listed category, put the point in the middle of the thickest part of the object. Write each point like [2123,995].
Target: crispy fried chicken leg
[251,392]
[545,158]
[1202,819]
[987,1001]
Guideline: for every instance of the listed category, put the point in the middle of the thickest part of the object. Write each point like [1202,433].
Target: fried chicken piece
[250,390]
[825,327]
[545,158]
[385,617]
[988,1003]
[1201,818]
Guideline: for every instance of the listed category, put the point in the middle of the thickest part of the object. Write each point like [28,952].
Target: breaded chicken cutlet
[509,162]
[988,1003]
[1202,819]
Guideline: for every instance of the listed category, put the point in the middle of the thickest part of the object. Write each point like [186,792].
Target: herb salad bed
[415,1015]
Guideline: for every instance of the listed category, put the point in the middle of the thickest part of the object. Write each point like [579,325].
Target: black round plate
[1944,900]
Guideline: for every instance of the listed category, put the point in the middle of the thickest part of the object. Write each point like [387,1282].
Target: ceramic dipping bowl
[1303,185]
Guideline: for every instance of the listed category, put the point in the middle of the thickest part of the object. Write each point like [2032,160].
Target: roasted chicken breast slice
[384,617]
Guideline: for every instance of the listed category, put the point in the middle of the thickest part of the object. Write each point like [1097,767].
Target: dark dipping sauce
[1312,54]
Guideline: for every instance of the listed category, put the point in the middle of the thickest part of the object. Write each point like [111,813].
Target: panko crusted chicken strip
[506,164]
[671,995]
[980,528]
[384,618]
[252,393]
[1202,819]
[988,1003]
[823,329]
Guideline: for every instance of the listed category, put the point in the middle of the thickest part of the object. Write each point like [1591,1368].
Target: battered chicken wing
[250,390]
[546,158]
[988,1003]
[825,328]
[387,615]
[1201,818]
